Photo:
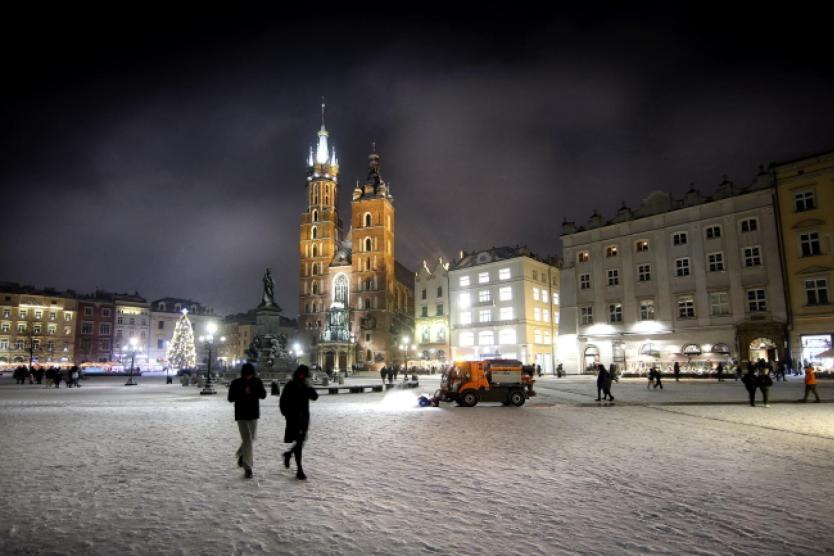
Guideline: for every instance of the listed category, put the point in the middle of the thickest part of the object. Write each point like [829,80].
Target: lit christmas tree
[181,352]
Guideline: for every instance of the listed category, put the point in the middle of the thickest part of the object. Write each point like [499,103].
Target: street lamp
[132,347]
[208,341]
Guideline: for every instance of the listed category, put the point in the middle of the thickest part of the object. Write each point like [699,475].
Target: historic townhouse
[431,315]
[695,280]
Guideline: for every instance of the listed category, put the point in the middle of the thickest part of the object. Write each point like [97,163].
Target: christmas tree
[181,352]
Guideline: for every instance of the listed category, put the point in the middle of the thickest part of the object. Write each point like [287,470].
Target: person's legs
[765,392]
[814,390]
[599,393]
[297,452]
[752,393]
[247,436]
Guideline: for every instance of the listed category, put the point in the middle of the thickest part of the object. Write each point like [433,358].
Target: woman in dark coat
[295,407]
[751,383]
[602,380]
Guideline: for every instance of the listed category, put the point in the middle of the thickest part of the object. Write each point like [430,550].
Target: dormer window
[712,232]
[161,306]
[679,238]
[642,246]
[583,257]
[611,251]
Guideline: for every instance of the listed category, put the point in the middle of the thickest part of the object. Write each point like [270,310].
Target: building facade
[94,328]
[132,321]
[504,304]
[36,326]
[805,193]
[164,314]
[695,281]
[355,299]
[431,315]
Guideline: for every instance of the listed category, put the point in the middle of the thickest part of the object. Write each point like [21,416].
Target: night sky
[165,152]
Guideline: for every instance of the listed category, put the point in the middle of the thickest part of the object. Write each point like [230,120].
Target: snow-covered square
[150,469]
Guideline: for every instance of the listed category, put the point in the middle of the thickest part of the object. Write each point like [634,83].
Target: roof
[403,274]
[493,254]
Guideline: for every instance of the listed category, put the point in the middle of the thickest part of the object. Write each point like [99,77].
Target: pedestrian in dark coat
[720,372]
[676,369]
[246,392]
[765,382]
[651,378]
[751,382]
[657,379]
[295,407]
[602,381]
[382,373]
[59,376]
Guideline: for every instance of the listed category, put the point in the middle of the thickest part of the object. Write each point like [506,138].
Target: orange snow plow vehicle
[496,380]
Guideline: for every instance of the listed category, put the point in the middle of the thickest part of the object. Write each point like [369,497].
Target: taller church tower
[319,236]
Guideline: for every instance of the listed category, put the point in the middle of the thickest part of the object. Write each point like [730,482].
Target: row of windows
[756,301]
[505,337]
[20,345]
[24,313]
[424,310]
[484,278]
[713,231]
[131,321]
[439,334]
[103,328]
[715,263]
[506,313]
[439,292]
[22,327]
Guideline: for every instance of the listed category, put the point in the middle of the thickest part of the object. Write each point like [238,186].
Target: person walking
[650,378]
[295,407]
[676,370]
[602,379]
[765,382]
[751,383]
[737,370]
[246,392]
[720,371]
[382,372]
[810,384]
[613,376]
[657,379]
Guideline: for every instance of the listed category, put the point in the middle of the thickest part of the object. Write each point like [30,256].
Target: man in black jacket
[295,407]
[246,393]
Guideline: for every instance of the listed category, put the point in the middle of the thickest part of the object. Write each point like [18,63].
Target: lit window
[505,293]
[686,307]
[506,336]
[682,267]
[611,251]
[463,300]
[583,257]
[642,246]
[647,309]
[679,238]
[715,262]
[804,201]
[545,315]
[756,300]
[36,329]
[555,298]
[483,277]
[644,272]
[506,313]
[464,281]
[466,317]
[21,327]
[613,277]
[587,315]
[504,274]
[38,315]
[749,225]
[535,294]
[537,314]
[67,316]
[484,296]
[537,336]
[23,313]
[466,339]
[584,281]
[556,317]
[713,232]
[615,312]
[486,338]
[752,256]
[816,291]
[484,315]
[809,244]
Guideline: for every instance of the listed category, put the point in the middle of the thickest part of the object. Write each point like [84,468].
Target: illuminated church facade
[356,302]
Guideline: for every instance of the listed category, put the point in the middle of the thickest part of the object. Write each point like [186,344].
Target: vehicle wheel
[469,398]
[517,398]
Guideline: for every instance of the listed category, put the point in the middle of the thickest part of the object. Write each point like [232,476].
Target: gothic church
[356,302]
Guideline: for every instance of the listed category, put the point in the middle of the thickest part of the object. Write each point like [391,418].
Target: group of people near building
[391,373]
[49,377]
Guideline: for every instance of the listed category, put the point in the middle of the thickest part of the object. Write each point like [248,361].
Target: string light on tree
[181,352]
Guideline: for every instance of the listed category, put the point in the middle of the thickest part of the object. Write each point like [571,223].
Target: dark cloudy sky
[164,152]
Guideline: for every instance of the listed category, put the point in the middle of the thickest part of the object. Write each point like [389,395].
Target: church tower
[319,236]
[377,298]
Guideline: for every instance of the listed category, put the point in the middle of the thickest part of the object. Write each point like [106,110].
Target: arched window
[368,244]
[161,306]
[314,232]
[367,219]
[691,349]
[721,348]
[650,349]
[315,251]
[177,307]
[340,290]
[426,337]
[486,338]
[368,355]
[315,287]
[315,269]
[368,264]
[315,216]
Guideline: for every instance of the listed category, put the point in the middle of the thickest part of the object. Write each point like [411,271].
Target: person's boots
[300,473]
[287,456]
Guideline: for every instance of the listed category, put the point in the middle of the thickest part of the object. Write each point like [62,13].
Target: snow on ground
[107,469]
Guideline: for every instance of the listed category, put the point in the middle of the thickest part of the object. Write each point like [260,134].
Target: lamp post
[132,347]
[208,341]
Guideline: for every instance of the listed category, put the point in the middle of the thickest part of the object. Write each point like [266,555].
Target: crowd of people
[51,377]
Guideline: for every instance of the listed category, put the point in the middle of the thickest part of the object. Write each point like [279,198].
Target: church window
[315,269]
[315,216]
[368,264]
[315,251]
[315,287]
[314,233]
[367,219]
[367,304]
[368,244]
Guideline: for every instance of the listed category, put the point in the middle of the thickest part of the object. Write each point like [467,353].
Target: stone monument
[268,349]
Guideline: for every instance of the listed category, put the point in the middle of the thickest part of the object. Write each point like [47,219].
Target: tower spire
[322,112]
